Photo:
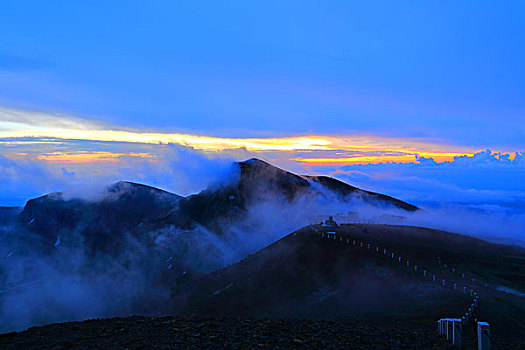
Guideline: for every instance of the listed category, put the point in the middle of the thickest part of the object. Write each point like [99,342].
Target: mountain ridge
[132,207]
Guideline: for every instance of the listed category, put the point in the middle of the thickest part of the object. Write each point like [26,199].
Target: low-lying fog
[42,283]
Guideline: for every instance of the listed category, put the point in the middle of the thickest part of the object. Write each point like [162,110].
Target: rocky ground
[137,332]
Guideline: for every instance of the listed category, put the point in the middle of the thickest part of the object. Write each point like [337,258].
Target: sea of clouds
[483,196]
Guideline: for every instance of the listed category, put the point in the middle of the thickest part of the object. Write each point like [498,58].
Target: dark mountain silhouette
[130,207]
[260,181]
[102,222]
[344,191]
[125,203]
[299,276]
[257,181]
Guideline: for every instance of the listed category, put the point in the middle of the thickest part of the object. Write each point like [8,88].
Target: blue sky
[435,69]
[94,92]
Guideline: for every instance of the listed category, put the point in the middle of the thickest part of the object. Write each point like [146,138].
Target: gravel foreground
[137,332]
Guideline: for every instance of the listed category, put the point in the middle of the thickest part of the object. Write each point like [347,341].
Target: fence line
[449,327]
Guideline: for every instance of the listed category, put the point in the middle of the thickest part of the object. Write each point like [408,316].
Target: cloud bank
[174,168]
[61,282]
[481,195]
[40,132]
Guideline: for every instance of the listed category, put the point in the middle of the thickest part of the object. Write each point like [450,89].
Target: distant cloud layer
[483,194]
[493,174]
[43,152]
[46,135]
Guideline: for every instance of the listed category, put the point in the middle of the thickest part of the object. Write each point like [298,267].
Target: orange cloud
[374,159]
[94,157]
[322,149]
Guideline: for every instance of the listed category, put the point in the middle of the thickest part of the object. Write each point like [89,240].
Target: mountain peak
[126,186]
[255,161]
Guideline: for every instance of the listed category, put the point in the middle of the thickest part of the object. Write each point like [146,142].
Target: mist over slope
[304,275]
[314,276]
[123,250]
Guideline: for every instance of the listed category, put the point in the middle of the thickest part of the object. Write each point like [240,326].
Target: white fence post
[450,329]
[483,336]
[456,332]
